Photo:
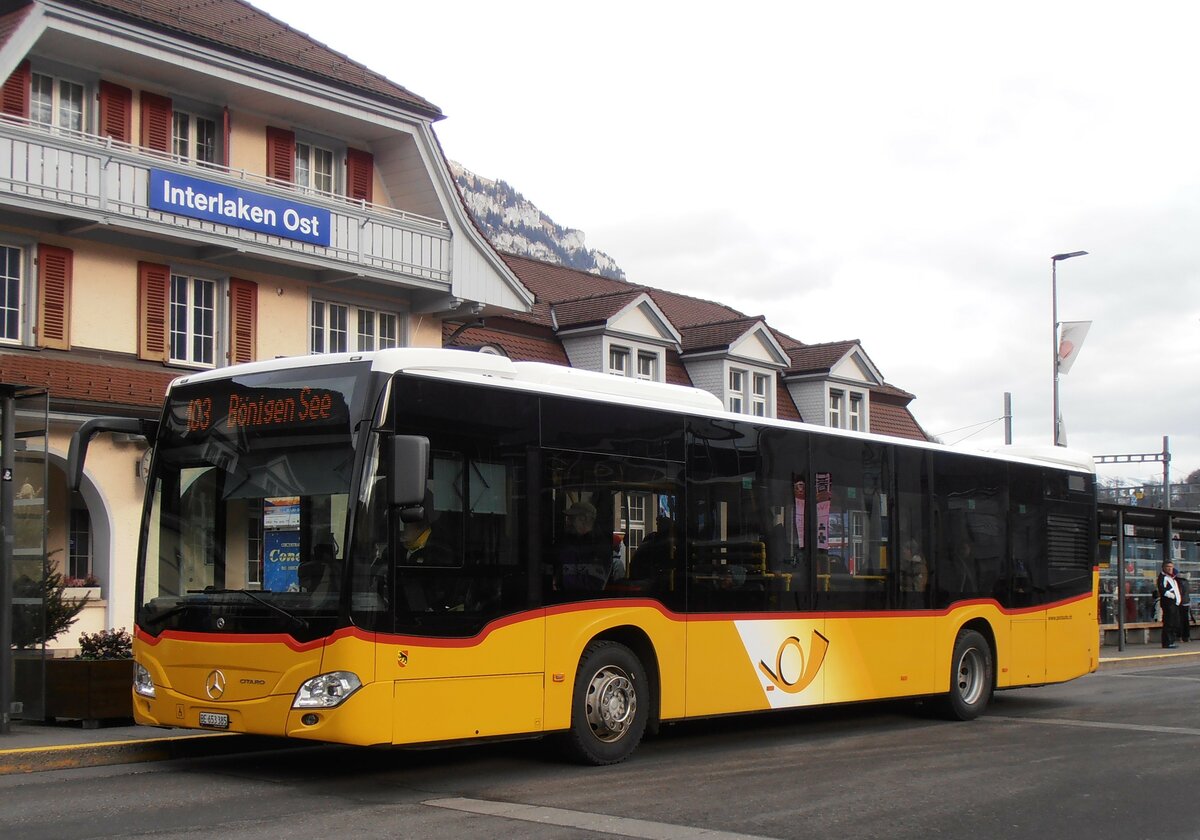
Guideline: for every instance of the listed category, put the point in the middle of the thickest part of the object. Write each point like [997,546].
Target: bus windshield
[247,512]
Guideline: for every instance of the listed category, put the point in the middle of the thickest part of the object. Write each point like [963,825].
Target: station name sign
[200,199]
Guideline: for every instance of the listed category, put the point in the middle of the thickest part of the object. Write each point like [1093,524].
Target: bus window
[912,526]
[972,512]
[589,504]
[853,558]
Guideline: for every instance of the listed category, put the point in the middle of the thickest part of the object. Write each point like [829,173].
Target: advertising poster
[281,561]
[281,514]
[798,516]
[824,497]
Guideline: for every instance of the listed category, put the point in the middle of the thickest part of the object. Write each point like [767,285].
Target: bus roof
[540,377]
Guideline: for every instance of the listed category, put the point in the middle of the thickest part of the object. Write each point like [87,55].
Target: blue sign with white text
[281,561]
[200,199]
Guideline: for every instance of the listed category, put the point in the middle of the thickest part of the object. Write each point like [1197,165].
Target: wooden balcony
[89,182]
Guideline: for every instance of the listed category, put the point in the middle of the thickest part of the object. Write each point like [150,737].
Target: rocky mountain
[513,224]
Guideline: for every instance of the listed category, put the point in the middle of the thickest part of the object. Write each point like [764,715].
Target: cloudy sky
[896,173]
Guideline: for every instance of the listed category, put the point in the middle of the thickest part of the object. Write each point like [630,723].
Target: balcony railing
[107,182]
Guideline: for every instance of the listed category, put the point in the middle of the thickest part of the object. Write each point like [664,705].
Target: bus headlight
[142,684]
[326,690]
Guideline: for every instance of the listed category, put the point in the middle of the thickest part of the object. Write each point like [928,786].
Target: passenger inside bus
[581,560]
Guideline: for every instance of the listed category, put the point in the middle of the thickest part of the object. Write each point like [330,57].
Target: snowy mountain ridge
[514,224]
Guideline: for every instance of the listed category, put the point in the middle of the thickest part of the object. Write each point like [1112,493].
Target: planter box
[87,690]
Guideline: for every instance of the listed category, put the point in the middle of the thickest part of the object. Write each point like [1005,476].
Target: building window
[314,167]
[254,543]
[835,409]
[758,400]
[193,320]
[330,328]
[194,138]
[11,261]
[618,361]
[647,366]
[856,413]
[737,386]
[79,546]
[56,102]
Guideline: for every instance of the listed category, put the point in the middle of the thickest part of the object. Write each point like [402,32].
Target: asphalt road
[1109,756]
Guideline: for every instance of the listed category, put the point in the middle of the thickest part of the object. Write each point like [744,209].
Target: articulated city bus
[418,547]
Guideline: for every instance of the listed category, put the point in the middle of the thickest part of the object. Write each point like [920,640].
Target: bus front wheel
[971,677]
[610,705]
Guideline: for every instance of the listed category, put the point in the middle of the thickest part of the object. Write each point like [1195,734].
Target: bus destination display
[228,409]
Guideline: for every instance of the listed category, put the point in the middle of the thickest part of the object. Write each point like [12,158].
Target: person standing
[1170,598]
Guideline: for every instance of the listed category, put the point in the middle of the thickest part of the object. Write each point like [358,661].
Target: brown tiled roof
[888,418]
[87,383]
[517,346]
[238,27]
[592,310]
[815,358]
[715,336]
[554,283]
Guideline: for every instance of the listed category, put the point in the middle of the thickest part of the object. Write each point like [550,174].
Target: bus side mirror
[84,434]
[410,465]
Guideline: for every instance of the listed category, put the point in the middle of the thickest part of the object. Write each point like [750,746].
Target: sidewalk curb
[70,756]
[1140,659]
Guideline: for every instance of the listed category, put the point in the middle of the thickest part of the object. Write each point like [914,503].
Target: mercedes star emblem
[214,684]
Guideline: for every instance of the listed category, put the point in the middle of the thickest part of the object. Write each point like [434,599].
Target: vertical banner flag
[1070,339]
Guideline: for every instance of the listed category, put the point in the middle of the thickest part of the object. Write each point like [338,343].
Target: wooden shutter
[157,118]
[281,154]
[360,175]
[154,283]
[116,112]
[243,319]
[54,297]
[14,97]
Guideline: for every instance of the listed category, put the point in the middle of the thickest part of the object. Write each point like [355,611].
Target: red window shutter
[116,112]
[54,297]
[281,154]
[157,116]
[154,282]
[360,175]
[243,319]
[14,97]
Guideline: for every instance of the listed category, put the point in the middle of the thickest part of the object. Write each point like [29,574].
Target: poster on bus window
[281,513]
[824,497]
[281,561]
[798,515]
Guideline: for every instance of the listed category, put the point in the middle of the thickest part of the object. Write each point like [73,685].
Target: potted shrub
[97,684]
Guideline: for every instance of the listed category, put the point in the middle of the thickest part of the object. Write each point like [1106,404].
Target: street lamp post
[1054,321]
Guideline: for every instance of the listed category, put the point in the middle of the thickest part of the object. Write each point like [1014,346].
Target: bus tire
[972,676]
[609,706]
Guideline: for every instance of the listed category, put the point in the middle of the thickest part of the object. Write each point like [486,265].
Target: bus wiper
[300,622]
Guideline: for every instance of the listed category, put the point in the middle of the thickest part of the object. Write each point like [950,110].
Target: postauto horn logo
[810,665]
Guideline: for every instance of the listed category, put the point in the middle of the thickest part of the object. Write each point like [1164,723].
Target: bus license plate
[214,720]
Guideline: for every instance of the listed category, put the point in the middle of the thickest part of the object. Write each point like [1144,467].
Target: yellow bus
[419,547]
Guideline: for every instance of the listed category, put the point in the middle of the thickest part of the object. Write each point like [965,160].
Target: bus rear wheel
[971,677]
[610,705]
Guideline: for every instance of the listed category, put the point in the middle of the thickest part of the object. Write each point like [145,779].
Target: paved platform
[32,747]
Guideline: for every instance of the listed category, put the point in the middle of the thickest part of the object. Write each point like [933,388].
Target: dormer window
[835,409]
[647,366]
[737,380]
[856,413]
[758,400]
[618,361]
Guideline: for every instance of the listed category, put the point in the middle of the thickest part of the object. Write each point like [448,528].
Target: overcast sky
[899,173]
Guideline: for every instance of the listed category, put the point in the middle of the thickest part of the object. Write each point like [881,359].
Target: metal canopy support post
[1120,580]
[7,465]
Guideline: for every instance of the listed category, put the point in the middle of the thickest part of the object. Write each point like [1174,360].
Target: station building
[186,184]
